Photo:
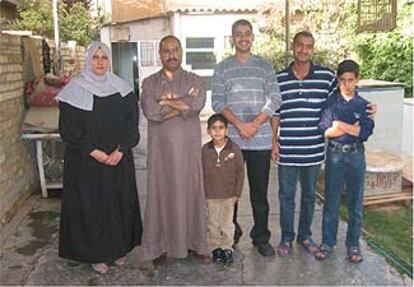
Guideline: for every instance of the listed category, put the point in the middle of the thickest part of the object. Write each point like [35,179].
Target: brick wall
[18,172]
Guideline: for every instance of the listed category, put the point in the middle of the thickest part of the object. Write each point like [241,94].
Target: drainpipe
[57,39]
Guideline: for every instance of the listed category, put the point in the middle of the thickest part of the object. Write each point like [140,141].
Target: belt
[337,147]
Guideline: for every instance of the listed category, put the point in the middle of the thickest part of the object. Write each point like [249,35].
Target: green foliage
[75,22]
[389,56]
[383,56]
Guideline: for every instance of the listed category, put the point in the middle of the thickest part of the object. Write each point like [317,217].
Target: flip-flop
[284,248]
[100,268]
[121,261]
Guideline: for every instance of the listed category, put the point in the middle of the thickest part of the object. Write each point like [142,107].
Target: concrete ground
[28,254]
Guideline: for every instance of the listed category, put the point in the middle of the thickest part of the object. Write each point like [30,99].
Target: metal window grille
[147,53]
[377,15]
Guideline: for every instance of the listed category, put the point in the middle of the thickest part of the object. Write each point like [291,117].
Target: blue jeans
[343,169]
[288,178]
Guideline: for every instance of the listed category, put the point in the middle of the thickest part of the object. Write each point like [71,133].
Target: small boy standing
[345,124]
[223,171]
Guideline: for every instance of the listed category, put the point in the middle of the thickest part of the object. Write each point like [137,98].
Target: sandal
[100,268]
[284,248]
[323,252]
[121,261]
[309,245]
[354,254]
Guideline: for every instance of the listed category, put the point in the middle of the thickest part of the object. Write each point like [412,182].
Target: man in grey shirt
[246,92]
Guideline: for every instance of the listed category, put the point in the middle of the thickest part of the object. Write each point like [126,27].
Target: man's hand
[114,158]
[247,130]
[372,110]
[275,150]
[99,156]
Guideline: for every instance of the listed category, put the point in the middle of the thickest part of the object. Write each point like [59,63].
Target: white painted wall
[407,129]
[388,133]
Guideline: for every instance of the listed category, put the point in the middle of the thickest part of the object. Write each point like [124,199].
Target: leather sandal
[323,252]
[354,254]
[309,245]
[284,248]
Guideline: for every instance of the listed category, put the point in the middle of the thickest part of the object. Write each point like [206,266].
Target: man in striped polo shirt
[246,92]
[298,145]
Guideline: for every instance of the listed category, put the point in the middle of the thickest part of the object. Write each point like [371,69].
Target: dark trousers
[258,166]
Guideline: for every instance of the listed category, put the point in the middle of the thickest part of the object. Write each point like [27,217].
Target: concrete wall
[18,172]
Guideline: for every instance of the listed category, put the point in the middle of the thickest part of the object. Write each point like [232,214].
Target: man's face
[303,49]
[243,38]
[100,63]
[347,84]
[171,55]
[217,131]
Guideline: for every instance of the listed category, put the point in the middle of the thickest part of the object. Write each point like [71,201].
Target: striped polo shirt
[300,141]
[247,89]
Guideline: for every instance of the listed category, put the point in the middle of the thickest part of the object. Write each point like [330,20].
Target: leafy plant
[75,21]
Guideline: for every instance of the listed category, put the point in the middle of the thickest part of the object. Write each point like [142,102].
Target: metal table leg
[39,154]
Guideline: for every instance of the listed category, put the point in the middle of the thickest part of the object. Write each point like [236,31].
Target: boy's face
[347,83]
[217,131]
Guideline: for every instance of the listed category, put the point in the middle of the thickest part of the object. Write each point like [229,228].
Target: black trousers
[258,166]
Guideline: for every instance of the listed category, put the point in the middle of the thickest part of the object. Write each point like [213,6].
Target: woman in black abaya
[100,217]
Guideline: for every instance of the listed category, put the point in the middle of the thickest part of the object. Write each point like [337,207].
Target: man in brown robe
[175,219]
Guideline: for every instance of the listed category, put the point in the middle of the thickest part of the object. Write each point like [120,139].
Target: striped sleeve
[218,99]
[272,93]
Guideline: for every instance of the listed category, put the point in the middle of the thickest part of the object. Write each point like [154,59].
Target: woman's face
[100,62]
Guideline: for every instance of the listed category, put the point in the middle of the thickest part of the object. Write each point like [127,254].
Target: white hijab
[80,90]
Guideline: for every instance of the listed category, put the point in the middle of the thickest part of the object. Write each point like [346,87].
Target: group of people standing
[261,115]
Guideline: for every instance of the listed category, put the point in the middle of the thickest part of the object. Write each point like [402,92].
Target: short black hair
[303,34]
[348,66]
[166,38]
[241,22]
[217,118]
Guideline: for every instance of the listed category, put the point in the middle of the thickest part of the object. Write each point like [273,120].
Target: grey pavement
[28,254]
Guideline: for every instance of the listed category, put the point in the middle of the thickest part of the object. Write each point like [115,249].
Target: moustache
[172,60]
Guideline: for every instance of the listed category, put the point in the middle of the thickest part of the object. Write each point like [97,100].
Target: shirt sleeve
[151,109]
[333,86]
[72,131]
[326,119]
[218,96]
[366,124]
[272,93]
[195,103]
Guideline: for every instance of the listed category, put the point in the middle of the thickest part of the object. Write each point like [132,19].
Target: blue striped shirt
[247,89]
[300,141]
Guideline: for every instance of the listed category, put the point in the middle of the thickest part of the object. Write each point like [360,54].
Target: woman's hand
[99,156]
[114,158]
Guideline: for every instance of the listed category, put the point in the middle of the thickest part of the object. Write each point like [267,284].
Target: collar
[339,97]
[176,74]
[292,75]
[227,146]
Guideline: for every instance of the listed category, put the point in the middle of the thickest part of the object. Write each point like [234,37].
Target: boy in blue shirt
[345,124]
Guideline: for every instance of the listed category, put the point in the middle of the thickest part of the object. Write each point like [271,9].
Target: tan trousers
[220,223]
